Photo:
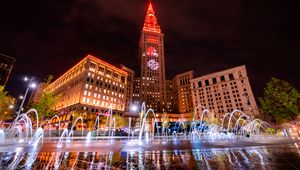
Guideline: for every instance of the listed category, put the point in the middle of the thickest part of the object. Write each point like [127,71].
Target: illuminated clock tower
[153,83]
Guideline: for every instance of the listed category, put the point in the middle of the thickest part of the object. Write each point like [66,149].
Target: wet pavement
[260,153]
[286,156]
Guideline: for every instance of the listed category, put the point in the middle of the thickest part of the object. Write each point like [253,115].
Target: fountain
[2,136]
[232,131]
[143,121]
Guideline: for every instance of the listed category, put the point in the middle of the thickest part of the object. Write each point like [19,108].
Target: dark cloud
[48,37]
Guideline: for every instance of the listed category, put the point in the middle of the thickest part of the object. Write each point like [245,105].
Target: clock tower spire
[153,83]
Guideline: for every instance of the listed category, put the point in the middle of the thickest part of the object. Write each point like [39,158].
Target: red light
[150,23]
[151,51]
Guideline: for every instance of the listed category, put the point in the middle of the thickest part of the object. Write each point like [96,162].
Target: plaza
[102,114]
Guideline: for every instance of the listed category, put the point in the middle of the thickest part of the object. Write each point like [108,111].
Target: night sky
[49,36]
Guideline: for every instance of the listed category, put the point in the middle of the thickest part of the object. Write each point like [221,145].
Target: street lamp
[32,85]
[133,108]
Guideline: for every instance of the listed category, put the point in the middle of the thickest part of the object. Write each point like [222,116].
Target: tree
[120,121]
[6,101]
[46,102]
[280,100]
[212,118]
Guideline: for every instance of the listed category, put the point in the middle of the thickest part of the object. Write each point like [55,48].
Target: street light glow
[25,78]
[134,108]
[33,85]
[21,97]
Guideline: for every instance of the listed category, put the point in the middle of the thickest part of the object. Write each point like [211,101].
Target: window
[116,75]
[206,82]
[231,77]
[92,65]
[122,79]
[214,80]
[101,69]
[108,72]
[222,78]
[200,84]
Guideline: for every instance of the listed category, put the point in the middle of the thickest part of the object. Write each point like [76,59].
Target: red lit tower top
[150,23]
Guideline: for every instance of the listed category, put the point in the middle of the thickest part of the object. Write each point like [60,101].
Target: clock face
[152,64]
[152,53]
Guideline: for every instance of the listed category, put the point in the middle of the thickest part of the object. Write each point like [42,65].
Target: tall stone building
[183,101]
[129,88]
[91,85]
[152,64]
[222,92]
[170,96]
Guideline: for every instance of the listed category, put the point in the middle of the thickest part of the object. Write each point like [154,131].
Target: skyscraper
[152,62]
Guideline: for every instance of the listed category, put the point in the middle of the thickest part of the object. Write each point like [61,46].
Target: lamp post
[31,84]
[134,108]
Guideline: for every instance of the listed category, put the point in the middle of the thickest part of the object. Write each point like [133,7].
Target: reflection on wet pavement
[277,156]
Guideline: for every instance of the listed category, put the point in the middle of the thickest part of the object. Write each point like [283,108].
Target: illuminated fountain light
[63,136]
[143,117]
[37,137]
[2,136]
[48,123]
[88,137]
[67,136]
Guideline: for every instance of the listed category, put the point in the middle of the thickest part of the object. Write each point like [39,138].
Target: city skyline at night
[148,84]
[51,37]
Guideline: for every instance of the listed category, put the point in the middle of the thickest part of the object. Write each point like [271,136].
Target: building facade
[170,96]
[6,65]
[136,91]
[91,85]
[182,91]
[129,87]
[152,63]
[223,91]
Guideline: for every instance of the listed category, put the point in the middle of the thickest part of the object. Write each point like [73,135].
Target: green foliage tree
[212,118]
[46,102]
[120,121]
[280,100]
[165,122]
[6,112]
